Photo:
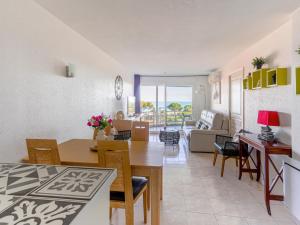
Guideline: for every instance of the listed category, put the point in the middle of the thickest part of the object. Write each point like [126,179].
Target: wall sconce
[70,70]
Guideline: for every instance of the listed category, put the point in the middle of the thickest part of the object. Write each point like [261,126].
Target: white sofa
[201,134]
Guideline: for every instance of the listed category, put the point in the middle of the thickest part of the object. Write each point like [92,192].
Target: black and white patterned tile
[74,183]
[30,211]
[6,201]
[22,179]
[5,168]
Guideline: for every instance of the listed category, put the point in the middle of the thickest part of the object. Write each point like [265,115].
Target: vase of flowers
[101,125]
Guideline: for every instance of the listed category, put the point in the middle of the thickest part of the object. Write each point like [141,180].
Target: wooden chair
[140,131]
[43,151]
[120,115]
[125,190]
[122,125]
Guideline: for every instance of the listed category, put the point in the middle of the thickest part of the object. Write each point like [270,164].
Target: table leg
[258,160]
[241,145]
[267,184]
[155,196]
[161,182]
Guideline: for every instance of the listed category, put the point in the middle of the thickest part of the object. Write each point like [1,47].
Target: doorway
[236,102]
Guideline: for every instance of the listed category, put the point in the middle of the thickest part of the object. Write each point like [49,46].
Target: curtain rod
[204,75]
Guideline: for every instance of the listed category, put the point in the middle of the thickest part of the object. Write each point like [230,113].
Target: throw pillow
[204,127]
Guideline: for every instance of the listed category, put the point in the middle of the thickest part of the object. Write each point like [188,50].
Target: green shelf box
[298,80]
[276,77]
[259,78]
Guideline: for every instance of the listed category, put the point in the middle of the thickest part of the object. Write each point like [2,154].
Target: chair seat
[227,152]
[138,183]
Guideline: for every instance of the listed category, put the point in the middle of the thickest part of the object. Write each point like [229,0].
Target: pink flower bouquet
[99,122]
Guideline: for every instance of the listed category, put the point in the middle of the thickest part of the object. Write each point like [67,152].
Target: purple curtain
[137,92]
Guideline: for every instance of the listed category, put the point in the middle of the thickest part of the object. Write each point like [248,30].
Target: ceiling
[178,37]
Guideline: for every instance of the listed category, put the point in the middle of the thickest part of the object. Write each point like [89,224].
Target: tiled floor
[195,194]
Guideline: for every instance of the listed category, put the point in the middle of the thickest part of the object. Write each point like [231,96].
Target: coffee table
[169,137]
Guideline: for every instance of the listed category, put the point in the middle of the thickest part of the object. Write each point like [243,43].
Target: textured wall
[36,99]
[276,47]
[296,98]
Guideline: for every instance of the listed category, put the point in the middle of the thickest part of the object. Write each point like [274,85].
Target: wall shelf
[259,78]
[267,78]
[298,80]
[247,83]
[276,77]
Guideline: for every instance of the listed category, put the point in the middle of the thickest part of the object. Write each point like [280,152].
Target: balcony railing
[168,118]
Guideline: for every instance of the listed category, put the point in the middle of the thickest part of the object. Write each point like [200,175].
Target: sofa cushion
[212,119]
[204,127]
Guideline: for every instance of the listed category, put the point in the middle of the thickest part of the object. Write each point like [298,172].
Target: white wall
[276,47]
[201,89]
[295,98]
[36,99]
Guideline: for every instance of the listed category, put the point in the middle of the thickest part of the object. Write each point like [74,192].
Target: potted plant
[258,62]
[298,50]
[101,125]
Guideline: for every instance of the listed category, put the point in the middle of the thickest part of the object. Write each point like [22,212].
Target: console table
[250,142]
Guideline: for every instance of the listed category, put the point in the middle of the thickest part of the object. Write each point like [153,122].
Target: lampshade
[268,118]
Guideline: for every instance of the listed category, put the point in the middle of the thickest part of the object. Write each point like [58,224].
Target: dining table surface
[80,152]
[146,159]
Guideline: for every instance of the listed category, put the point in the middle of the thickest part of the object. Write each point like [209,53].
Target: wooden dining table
[146,159]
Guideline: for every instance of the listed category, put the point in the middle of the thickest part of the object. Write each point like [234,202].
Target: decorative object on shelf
[258,62]
[298,50]
[101,125]
[274,79]
[267,118]
[119,87]
[259,78]
[214,79]
[70,70]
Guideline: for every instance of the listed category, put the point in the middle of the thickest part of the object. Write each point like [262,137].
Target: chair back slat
[140,131]
[115,154]
[121,125]
[43,151]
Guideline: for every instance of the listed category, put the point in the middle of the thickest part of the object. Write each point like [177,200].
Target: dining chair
[120,115]
[125,190]
[43,151]
[140,131]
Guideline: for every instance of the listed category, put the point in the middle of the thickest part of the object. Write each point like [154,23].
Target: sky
[174,94]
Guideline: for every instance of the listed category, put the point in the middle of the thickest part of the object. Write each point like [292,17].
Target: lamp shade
[268,118]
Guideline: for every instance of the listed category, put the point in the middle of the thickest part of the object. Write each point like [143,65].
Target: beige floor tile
[201,219]
[230,220]
[200,205]
[261,222]
[174,218]
[195,194]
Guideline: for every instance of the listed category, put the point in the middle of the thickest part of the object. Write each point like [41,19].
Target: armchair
[229,148]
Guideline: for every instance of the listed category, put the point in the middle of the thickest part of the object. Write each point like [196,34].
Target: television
[130,106]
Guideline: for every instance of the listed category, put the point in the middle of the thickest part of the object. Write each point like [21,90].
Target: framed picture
[216,92]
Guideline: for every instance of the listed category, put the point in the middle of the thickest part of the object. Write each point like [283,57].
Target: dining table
[146,159]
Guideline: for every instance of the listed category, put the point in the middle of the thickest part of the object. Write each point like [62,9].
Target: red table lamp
[268,118]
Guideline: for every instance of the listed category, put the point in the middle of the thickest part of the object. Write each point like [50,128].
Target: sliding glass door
[166,105]
[178,104]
